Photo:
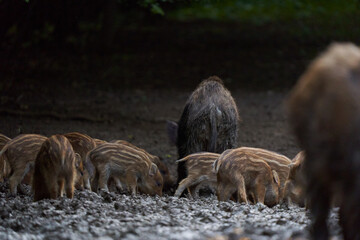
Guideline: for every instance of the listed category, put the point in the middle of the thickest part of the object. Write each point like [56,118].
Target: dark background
[59,50]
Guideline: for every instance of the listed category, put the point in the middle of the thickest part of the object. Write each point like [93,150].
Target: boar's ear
[172,129]
[276,177]
[153,169]
[77,160]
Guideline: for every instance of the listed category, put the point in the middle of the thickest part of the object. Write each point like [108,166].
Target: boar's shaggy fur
[55,168]
[209,122]
[324,112]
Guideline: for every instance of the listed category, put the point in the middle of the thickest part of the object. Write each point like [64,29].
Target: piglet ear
[153,169]
[172,129]
[276,177]
[77,160]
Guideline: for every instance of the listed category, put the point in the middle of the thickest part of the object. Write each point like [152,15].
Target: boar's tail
[213,130]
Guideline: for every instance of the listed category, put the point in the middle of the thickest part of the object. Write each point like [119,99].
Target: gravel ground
[139,116]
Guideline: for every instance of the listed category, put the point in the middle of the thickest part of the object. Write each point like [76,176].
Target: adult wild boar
[209,122]
[324,112]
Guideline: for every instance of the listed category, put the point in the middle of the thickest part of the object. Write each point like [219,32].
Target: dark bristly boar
[55,169]
[168,181]
[324,112]
[209,122]
[200,173]
[131,166]
[83,144]
[4,166]
[247,175]
[276,161]
[294,185]
[20,153]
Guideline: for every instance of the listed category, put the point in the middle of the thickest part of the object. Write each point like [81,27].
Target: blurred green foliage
[261,11]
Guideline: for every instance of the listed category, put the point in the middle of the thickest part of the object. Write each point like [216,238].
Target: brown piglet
[20,153]
[83,144]
[131,166]
[55,169]
[199,173]
[246,174]
[168,180]
[276,161]
[4,166]
[294,185]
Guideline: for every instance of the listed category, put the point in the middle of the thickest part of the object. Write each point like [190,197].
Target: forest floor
[140,117]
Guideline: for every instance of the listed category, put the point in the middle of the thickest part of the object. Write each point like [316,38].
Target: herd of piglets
[207,139]
[324,113]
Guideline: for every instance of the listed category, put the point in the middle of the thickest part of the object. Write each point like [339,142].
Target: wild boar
[209,122]
[294,189]
[324,113]
[168,181]
[199,168]
[55,167]
[4,166]
[20,153]
[131,166]
[83,144]
[247,174]
[276,161]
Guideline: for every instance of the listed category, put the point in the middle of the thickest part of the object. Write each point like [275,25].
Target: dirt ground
[139,116]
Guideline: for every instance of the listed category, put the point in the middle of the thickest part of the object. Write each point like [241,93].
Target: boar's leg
[350,215]
[131,181]
[104,175]
[188,182]
[259,195]
[241,190]
[319,207]
[69,185]
[118,184]
[15,180]
[61,183]
[224,191]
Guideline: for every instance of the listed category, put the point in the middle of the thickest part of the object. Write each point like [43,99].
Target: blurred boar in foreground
[200,173]
[324,112]
[276,161]
[248,175]
[209,122]
[132,167]
[168,181]
[4,166]
[20,153]
[82,144]
[55,168]
[294,186]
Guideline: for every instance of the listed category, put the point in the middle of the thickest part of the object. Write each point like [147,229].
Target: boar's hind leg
[241,190]
[104,175]
[188,182]
[319,207]
[15,180]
